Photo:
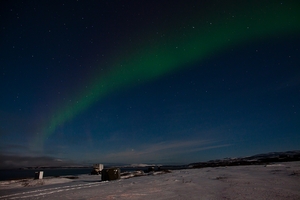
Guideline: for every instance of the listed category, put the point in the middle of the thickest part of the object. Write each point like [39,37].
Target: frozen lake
[275,181]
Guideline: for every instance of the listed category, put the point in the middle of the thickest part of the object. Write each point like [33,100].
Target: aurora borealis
[149,82]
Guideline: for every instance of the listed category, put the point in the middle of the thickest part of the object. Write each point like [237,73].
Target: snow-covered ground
[277,181]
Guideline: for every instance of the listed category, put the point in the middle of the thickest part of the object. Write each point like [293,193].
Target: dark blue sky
[233,91]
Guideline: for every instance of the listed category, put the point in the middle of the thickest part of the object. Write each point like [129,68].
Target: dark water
[12,174]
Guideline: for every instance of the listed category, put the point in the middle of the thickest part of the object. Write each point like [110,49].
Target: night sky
[164,82]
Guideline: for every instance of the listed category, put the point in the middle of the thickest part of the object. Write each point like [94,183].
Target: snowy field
[274,181]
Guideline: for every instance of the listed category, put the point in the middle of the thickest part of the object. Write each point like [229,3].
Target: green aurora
[154,60]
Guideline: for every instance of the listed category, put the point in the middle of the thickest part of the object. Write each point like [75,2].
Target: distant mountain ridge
[251,160]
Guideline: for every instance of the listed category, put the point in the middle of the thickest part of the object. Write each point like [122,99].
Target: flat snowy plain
[274,181]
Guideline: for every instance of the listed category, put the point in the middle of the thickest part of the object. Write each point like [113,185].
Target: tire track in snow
[36,193]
